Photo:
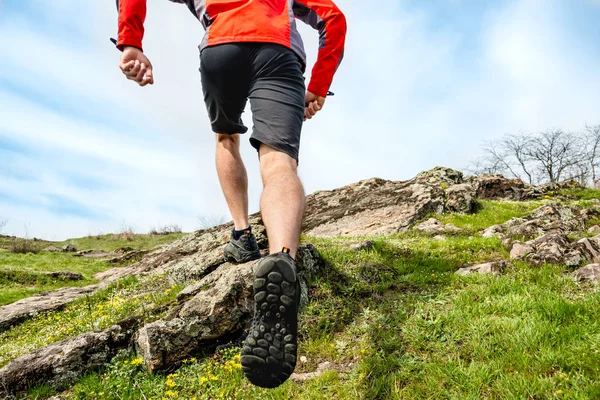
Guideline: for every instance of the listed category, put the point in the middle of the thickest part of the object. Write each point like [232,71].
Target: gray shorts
[270,75]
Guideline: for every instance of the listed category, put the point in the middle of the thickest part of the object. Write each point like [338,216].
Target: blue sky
[423,83]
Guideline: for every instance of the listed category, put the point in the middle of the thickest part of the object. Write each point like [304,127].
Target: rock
[506,242]
[439,237]
[220,305]
[322,367]
[128,256]
[440,176]
[69,248]
[303,359]
[65,275]
[489,268]
[594,229]
[370,207]
[589,273]
[364,245]
[549,248]
[53,249]
[590,248]
[494,187]
[519,250]
[92,254]
[492,231]
[14,313]
[545,219]
[432,225]
[460,198]
[63,362]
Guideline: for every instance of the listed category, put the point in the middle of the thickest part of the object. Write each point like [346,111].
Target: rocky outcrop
[376,206]
[21,310]
[432,225]
[547,218]
[65,275]
[63,362]
[556,248]
[218,306]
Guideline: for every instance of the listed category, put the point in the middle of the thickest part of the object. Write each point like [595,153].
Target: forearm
[327,18]
[132,14]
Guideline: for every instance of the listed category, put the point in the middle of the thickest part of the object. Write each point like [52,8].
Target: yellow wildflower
[203,380]
[137,361]
[171,393]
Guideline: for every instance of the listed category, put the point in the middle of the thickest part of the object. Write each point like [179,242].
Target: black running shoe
[269,354]
[243,249]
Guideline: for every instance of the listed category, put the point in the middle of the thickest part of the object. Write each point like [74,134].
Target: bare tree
[3,223]
[555,152]
[549,156]
[507,155]
[592,135]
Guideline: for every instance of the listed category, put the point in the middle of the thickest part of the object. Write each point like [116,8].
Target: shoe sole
[269,353]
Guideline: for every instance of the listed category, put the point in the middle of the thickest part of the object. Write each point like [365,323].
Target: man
[252,49]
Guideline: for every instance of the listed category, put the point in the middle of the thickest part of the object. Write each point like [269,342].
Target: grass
[581,194]
[22,275]
[112,242]
[490,213]
[395,321]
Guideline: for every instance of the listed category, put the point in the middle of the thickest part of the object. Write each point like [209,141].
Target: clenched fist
[313,104]
[136,66]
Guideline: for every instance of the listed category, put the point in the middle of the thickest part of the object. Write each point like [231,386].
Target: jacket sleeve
[326,17]
[132,14]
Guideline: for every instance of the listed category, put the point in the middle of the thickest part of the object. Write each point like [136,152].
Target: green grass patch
[490,213]
[580,194]
[22,275]
[112,242]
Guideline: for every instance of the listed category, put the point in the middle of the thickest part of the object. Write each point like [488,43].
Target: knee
[275,164]
[228,141]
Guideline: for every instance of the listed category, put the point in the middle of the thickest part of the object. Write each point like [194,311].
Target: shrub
[24,246]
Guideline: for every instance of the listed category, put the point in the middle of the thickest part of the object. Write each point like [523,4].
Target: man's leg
[282,201]
[233,178]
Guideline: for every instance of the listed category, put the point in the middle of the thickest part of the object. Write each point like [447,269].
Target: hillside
[437,287]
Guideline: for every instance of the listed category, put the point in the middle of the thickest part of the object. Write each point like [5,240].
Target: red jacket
[227,21]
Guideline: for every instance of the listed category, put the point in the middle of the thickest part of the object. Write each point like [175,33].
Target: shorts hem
[289,150]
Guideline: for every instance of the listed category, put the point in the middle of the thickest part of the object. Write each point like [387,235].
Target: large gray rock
[19,311]
[460,198]
[549,248]
[63,362]
[594,229]
[520,250]
[543,220]
[589,273]
[219,305]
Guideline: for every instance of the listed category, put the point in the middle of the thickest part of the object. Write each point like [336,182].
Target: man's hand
[136,66]
[314,104]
